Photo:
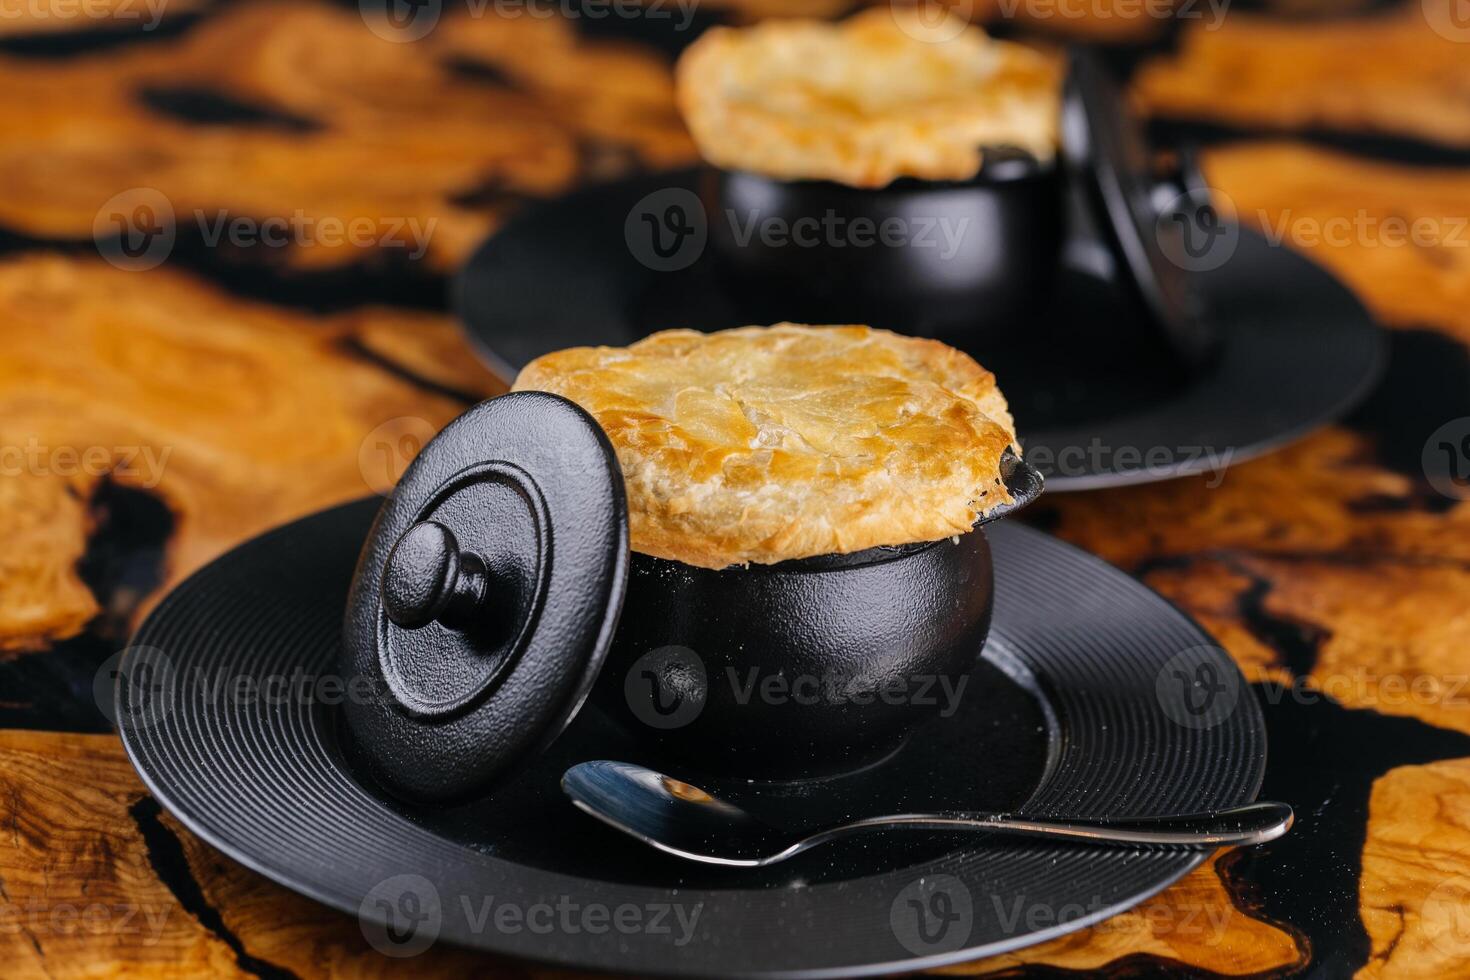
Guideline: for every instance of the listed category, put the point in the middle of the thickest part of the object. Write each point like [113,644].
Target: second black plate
[1298,349]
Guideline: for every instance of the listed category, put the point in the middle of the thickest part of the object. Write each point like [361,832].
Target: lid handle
[429,579]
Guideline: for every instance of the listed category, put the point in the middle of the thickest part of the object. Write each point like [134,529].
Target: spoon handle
[1253,823]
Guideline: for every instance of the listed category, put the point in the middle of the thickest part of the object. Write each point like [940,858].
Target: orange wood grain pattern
[1401,72]
[81,899]
[1399,236]
[1194,922]
[75,133]
[264,416]
[1416,873]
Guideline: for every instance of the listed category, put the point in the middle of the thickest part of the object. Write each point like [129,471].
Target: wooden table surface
[150,419]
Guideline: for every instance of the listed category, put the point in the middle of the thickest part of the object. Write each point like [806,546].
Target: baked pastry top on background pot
[888,93]
[765,444]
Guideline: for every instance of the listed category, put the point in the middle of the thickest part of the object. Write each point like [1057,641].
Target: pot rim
[1015,166]
[1024,482]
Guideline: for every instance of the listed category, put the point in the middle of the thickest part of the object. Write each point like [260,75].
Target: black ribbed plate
[1084,705]
[1095,407]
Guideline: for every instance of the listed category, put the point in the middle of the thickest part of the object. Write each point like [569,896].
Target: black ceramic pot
[806,667]
[959,261]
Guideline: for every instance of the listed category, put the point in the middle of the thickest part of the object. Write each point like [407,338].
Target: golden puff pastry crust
[761,444]
[891,92]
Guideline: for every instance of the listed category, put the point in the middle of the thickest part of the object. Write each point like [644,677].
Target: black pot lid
[1103,143]
[486,596]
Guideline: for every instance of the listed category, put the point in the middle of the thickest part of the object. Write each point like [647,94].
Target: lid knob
[428,579]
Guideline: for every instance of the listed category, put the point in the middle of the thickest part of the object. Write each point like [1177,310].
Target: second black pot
[960,261]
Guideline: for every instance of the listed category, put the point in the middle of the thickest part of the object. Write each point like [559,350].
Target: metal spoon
[688,822]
